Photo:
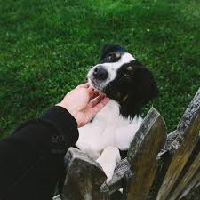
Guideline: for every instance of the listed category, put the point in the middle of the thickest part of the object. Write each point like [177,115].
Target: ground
[47,47]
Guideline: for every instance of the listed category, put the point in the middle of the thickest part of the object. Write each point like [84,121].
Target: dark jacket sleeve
[32,158]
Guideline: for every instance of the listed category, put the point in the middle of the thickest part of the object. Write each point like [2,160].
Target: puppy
[129,85]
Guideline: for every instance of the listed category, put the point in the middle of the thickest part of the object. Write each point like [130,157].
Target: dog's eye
[128,72]
[114,56]
[111,56]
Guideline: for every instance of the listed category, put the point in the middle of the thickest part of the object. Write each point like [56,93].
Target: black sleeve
[32,158]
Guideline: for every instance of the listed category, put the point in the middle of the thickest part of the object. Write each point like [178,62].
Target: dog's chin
[98,88]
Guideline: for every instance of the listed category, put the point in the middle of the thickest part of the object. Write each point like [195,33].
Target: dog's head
[122,78]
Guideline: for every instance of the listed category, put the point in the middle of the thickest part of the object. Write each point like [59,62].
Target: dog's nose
[100,73]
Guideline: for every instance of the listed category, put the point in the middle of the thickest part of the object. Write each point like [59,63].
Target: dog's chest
[108,128]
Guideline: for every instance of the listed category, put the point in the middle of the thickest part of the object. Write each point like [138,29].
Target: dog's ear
[145,85]
[108,48]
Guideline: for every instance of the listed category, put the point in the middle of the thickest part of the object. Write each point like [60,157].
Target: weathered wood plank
[192,168]
[117,181]
[142,154]
[164,158]
[163,162]
[84,178]
[182,147]
[192,192]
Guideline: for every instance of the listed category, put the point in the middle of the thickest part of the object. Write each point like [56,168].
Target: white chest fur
[107,129]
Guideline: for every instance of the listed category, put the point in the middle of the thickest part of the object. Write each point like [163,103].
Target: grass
[47,47]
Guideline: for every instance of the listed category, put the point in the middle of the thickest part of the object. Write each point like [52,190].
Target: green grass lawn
[47,47]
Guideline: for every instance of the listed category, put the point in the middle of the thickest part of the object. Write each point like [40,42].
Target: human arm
[31,159]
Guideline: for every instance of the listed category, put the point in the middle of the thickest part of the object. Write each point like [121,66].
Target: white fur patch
[108,160]
[107,129]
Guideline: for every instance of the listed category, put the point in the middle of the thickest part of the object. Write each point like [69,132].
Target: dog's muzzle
[98,77]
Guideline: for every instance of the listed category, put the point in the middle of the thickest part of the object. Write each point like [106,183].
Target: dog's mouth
[96,86]
[98,78]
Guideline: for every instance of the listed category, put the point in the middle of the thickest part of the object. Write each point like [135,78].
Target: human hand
[83,103]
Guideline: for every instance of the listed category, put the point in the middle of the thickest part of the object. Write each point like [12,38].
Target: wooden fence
[157,167]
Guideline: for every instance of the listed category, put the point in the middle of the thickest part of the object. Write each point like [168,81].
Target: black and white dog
[129,85]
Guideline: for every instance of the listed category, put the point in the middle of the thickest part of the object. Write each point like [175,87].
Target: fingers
[97,98]
[94,110]
[88,89]
[94,101]
[87,85]
[94,95]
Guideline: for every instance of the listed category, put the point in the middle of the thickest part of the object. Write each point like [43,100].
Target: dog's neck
[114,109]
[130,111]
[130,107]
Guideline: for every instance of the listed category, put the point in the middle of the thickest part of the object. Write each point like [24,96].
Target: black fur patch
[109,50]
[132,89]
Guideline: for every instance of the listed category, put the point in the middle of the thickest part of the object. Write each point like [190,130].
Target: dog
[129,86]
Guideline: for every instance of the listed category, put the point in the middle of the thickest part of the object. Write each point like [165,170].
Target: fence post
[142,154]
[181,170]
[84,178]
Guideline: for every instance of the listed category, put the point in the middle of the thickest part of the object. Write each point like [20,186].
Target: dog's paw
[108,160]
[109,171]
